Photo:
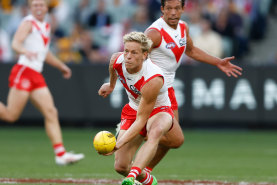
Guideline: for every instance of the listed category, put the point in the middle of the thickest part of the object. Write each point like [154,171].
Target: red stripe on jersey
[118,68]
[44,38]
[139,84]
[157,75]
[176,50]
[160,35]
[47,26]
[183,28]
[114,64]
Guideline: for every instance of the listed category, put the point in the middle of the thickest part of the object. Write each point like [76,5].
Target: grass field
[220,156]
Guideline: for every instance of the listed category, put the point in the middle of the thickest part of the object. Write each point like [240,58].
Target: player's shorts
[25,78]
[128,117]
[172,97]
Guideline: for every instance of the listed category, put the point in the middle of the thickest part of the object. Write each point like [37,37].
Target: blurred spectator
[140,22]
[62,13]
[6,5]
[16,17]
[5,48]
[66,53]
[258,18]
[53,4]
[84,43]
[155,7]
[195,23]
[100,18]
[209,40]
[82,12]
[106,21]
[120,10]
[115,43]
[56,31]
[230,25]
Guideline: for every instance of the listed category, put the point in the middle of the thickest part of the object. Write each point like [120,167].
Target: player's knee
[178,142]
[121,169]
[154,133]
[173,141]
[52,113]
[11,118]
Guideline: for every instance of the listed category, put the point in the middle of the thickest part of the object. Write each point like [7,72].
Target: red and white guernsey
[133,83]
[169,53]
[37,41]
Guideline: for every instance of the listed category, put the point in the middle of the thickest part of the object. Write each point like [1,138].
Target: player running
[170,37]
[148,112]
[31,41]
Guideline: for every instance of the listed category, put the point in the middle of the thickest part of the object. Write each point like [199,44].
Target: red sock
[59,149]
[148,179]
[148,169]
[135,171]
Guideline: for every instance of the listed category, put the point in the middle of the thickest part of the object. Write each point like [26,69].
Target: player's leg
[172,139]
[175,137]
[157,126]
[16,102]
[125,155]
[43,100]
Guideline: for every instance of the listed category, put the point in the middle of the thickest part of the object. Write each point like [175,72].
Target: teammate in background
[31,41]
[147,113]
[170,37]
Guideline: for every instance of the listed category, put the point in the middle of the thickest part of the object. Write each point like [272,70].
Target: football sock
[135,171]
[148,179]
[59,149]
[148,169]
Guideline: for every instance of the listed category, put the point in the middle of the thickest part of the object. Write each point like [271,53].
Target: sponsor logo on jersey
[121,79]
[163,108]
[134,89]
[170,45]
[183,41]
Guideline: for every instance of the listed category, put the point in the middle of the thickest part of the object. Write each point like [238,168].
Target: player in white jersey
[31,41]
[148,112]
[171,40]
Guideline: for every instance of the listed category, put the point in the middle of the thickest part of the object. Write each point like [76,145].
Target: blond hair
[140,38]
[30,2]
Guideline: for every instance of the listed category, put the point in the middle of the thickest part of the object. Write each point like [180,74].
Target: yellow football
[104,142]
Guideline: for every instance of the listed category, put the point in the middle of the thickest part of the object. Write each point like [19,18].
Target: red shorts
[172,97]
[25,78]
[128,117]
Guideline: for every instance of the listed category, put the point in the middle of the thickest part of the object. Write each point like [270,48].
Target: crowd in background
[89,31]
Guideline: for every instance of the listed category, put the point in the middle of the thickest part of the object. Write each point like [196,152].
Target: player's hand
[66,71]
[110,153]
[228,68]
[31,55]
[105,90]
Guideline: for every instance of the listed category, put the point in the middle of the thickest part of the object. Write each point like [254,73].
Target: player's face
[39,9]
[133,56]
[172,12]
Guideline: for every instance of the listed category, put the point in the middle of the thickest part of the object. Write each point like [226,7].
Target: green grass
[206,155]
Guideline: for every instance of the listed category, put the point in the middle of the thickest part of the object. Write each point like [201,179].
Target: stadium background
[85,33]
[229,124]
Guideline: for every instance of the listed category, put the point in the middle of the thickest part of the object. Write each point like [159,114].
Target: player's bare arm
[149,94]
[155,36]
[52,60]
[107,88]
[224,64]
[20,35]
